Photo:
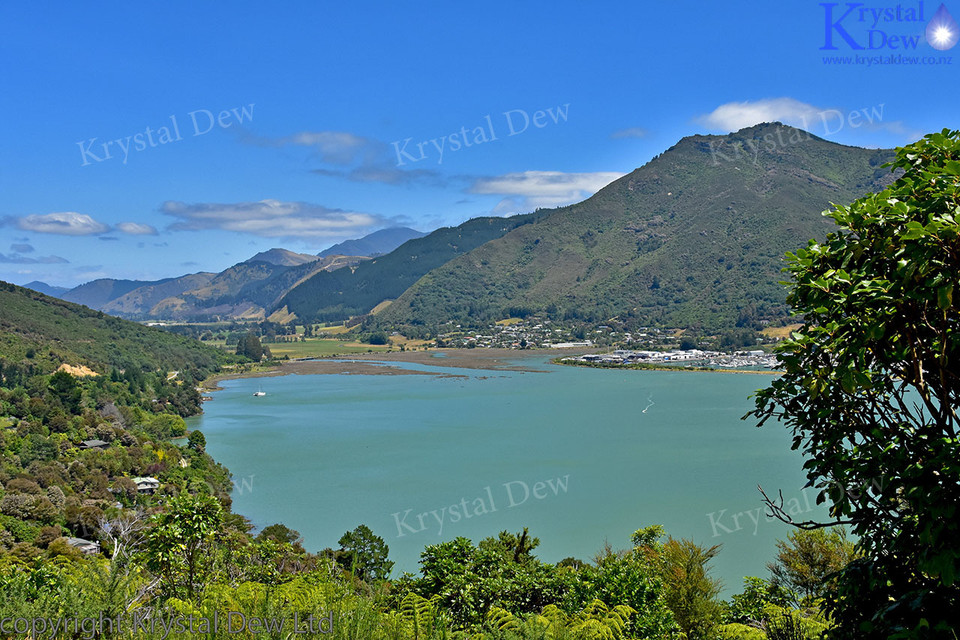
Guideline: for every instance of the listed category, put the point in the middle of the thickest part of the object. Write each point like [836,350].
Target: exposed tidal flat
[579,455]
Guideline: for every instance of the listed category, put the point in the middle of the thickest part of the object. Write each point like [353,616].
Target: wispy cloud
[272,219]
[335,147]
[384,173]
[67,223]
[351,157]
[71,223]
[22,259]
[136,229]
[528,190]
[21,247]
[632,132]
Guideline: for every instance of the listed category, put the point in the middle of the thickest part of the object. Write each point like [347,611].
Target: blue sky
[232,128]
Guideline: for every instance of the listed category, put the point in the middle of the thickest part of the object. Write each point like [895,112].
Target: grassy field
[316,347]
[780,332]
[311,348]
[333,343]
[332,330]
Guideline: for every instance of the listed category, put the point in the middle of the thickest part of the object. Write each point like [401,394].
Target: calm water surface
[578,455]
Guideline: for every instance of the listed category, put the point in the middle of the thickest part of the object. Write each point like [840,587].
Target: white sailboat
[259,392]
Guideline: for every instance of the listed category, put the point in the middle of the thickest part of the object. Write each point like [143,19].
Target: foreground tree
[364,554]
[632,577]
[180,543]
[806,559]
[690,591]
[870,391]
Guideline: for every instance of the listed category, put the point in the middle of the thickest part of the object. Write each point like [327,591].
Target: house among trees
[146,485]
[94,444]
[87,547]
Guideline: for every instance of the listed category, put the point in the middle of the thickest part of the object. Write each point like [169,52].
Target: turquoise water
[578,455]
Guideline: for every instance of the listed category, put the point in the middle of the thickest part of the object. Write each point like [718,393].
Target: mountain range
[247,290]
[695,237]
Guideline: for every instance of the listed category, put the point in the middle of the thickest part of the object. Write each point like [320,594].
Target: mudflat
[371,363]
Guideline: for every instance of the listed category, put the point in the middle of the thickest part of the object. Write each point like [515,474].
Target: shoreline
[665,367]
[371,363]
[475,359]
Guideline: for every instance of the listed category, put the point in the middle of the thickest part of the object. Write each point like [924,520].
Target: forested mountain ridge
[338,295]
[39,330]
[693,238]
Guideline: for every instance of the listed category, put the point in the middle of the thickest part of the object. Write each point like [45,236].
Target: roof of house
[80,542]
[94,443]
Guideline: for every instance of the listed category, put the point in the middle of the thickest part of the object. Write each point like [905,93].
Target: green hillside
[97,293]
[693,238]
[138,301]
[47,332]
[337,295]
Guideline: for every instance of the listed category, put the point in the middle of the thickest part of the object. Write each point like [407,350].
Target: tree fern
[419,614]
[502,619]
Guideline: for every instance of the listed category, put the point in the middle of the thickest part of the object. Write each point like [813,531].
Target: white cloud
[271,219]
[529,190]
[734,116]
[67,223]
[136,229]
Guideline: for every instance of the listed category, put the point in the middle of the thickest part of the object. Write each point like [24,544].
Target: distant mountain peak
[377,243]
[282,257]
[47,289]
[777,131]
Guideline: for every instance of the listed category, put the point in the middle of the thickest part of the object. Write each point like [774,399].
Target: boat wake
[650,400]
